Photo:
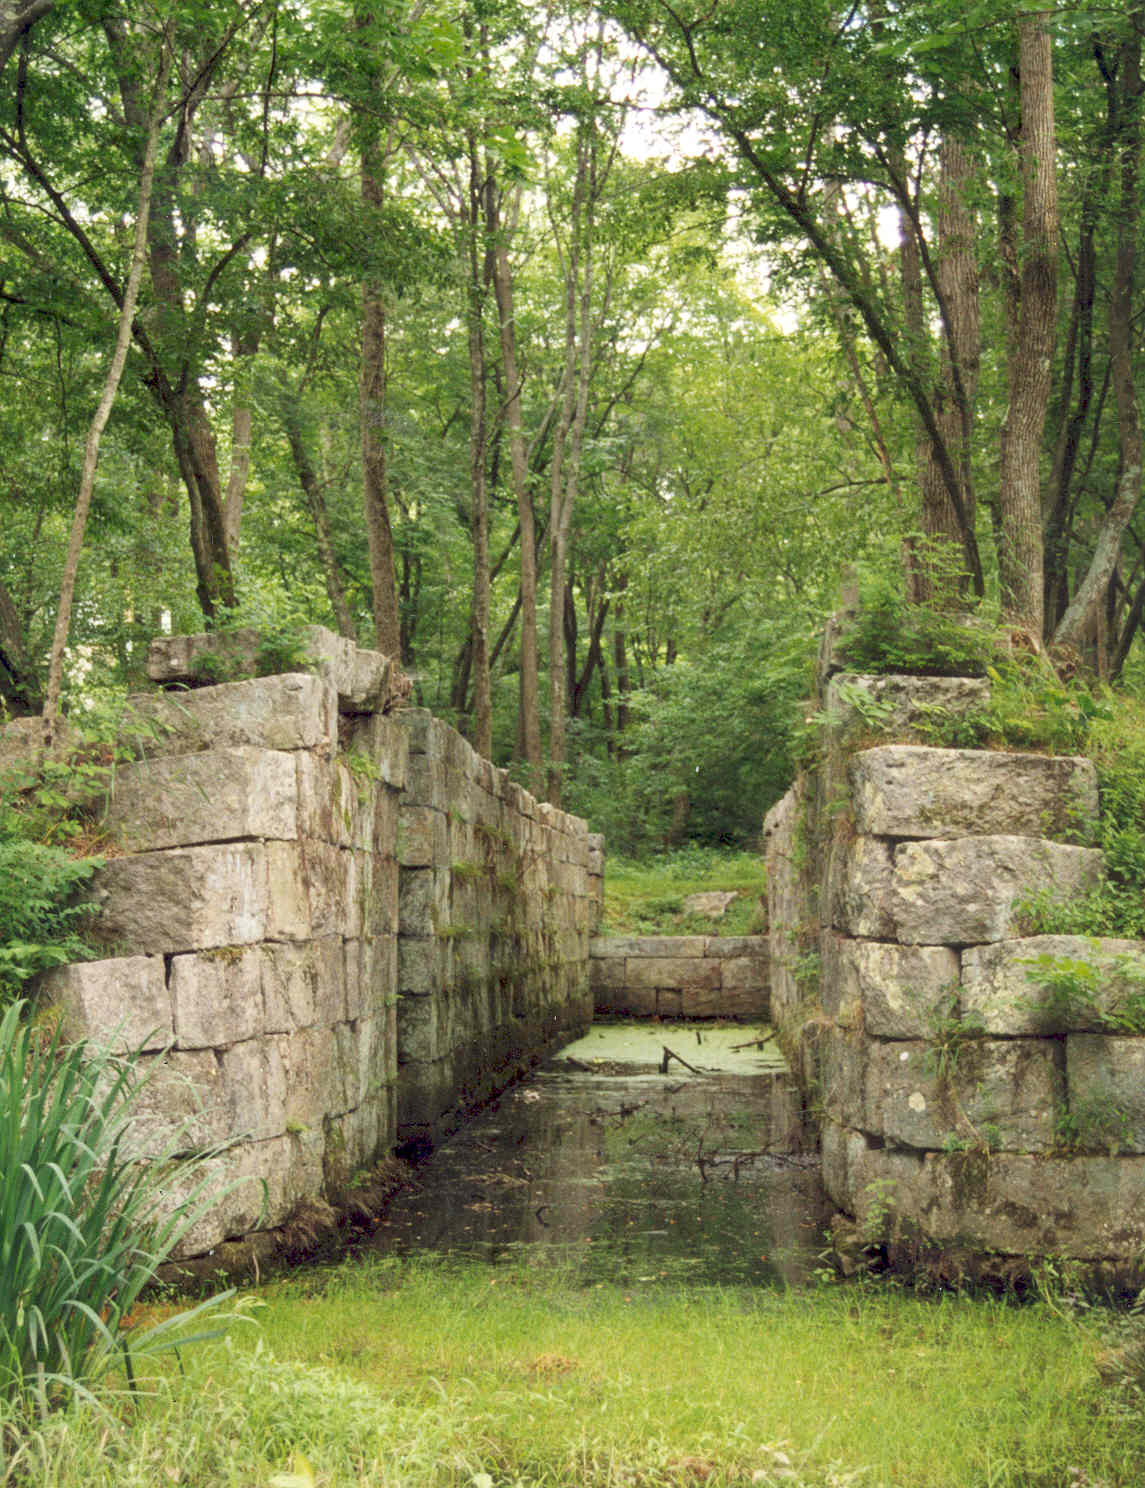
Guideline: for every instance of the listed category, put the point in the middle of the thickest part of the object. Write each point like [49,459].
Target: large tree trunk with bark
[1031,351]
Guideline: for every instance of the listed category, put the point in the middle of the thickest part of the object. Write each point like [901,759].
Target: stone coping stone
[121,1003]
[898,703]
[291,711]
[1096,977]
[962,891]
[909,790]
[365,681]
[217,796]
[649,945]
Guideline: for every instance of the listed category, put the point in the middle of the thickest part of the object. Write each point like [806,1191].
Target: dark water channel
[603,1162]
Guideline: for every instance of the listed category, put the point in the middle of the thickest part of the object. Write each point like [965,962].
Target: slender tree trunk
[312,490]
[560,515]
[475,328]
[107,400]
[1080,617]
[530,710]
[1020,559]
[371,406]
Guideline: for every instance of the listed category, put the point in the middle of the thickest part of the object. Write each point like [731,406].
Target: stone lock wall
[496,905]
[281,838]
[680,976]
[962,1100]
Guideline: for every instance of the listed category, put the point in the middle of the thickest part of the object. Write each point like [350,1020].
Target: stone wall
[276,843]
[969,1098]
[680,976]
[496,906]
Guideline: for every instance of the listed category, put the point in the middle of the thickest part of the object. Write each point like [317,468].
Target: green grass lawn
[647,897]
[382,1374]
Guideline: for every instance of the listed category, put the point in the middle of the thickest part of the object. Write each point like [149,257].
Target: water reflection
[607,1165]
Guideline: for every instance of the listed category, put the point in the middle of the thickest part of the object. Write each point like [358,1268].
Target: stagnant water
[628,1171]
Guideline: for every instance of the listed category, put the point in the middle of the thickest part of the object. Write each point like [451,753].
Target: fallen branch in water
[671,1054]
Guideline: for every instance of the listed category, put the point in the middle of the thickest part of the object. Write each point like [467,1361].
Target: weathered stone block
[855,702]
[906,790]
[315,1085]
[901,990]
[419,1030]
[181,1106]
[362,679]
[963,891]
[217,796]
[253,1083]
[423,901]
[1082,1207]
[607,971]
[423,838]
[1052,984]
[191,898]
[674,947]
[252,1186]
[744,974]
[842,1056]
[673,971]
[859,884]
[218,996]
[383,743]
[287,712]
[121,1004]
[731,946]
[1106,1081]
[1006,1091]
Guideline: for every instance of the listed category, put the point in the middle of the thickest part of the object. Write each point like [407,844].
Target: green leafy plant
[889,634]
[1068,991]
[1096,1123]
[80,1230]
[43,910]
[950,1031]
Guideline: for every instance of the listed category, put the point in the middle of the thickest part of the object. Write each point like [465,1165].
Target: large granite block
[198,898]
[215,796]
[859,884]
[121,1004]
[963,891]
[1053,984]
[288,712]
[855,702]
[1004,1092]
[901,990]
[905,790]
[1106,1078]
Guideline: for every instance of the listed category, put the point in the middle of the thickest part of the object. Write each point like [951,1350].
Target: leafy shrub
[892,635]
[79,1237]
[42,910]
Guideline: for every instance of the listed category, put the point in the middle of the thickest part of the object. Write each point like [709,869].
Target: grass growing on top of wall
[468,1376]
[646,896]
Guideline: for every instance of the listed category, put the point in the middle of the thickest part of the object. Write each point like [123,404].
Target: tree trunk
[107,400]
[371,406]
[1031,352]
[475,330]
[312,490]
[1080,617]
[530,709]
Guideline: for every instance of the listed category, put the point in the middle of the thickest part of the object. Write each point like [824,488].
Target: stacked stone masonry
[977,1085]
[326,922]
[680,976]
[496,905]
